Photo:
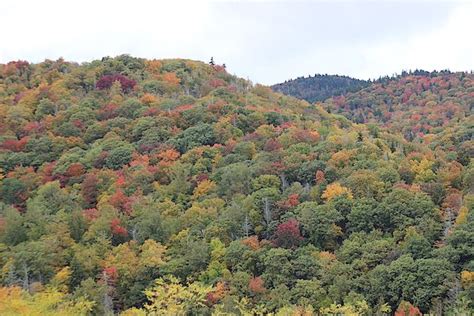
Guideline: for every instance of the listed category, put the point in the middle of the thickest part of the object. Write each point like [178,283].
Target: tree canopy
[132,186]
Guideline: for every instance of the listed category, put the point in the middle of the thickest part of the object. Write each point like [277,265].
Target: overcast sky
[266,41]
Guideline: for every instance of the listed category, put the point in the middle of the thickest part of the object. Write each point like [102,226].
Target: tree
[106,82]
[257,285]
[319,224]
[50,199]
[89,190]
[309,293]
[188,256]
[460,240]
[415,244]
[364,183]
[335,189]
[364,216]
[407,309]
[50,301]
[169,297]
[287,234]
[147,222]
[118,157]
[13,231]
[266,181]
[366,250]
[277,267]
[406,279]
[216,268]
[320,177]
[204,187]
[13,191]
[401,209]
[201,134]
[234,179]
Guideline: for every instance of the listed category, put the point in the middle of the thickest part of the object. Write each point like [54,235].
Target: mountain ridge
[319,87]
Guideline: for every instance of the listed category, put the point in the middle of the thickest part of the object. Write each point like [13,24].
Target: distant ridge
[320,87]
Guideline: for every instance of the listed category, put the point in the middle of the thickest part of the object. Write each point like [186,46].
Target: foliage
[15,301]
[168,297]
[173,187]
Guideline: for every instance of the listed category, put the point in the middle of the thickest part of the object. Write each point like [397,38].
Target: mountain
[319,87]
[132,186]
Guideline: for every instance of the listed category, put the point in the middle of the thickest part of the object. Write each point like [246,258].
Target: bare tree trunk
[107,299]
[134,233]
[306,187]
[246,226]
[26,281]
[284,182]
[267,212]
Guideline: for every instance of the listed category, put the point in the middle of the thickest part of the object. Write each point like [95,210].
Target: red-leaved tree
[287,234]
[89,190]
[105,82]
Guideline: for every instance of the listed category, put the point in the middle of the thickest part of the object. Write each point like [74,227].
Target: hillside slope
[170,186]
[415,104]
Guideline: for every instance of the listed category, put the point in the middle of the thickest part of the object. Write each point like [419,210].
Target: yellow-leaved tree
[335,189]
[15,301]
[169,297]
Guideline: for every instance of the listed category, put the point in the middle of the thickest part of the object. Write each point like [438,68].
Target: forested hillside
[319,87]
[417,104]
[170,187]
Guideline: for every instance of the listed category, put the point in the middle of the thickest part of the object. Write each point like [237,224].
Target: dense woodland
[170,187]
[319,87]
[417,104]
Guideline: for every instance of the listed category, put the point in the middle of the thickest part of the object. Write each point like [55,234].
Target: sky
[265,41]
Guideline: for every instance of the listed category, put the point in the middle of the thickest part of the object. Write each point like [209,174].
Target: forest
[170,187]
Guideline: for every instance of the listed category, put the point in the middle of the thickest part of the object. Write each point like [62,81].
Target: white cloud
[448,46]
[35,30]
[268,41]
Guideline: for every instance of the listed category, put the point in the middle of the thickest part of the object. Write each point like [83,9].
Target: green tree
[319,224]
[201,134]
[118,157]
[14,230]
[13,191]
